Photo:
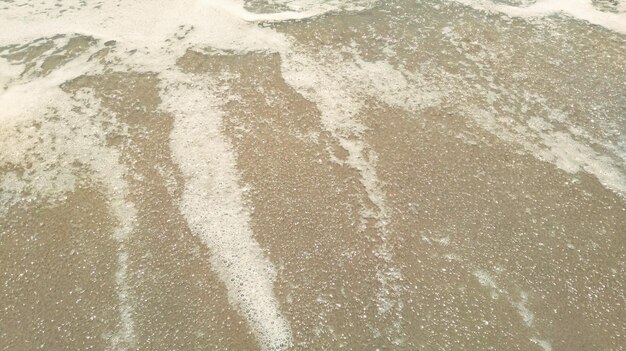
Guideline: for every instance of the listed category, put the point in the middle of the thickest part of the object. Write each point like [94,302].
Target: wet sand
[401,177]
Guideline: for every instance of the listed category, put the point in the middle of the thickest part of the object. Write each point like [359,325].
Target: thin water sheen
[313,175]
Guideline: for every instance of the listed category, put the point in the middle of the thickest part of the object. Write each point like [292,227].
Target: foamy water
[386,83]
[583,10]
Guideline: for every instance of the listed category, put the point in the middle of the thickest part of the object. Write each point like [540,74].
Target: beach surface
[313,175]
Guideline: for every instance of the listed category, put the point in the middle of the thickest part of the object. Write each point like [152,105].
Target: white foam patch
[527,316]
[544,344]
[548,134]
[237,10]
[578,9]
[46,132]
[218,216]
[220,24]
[68,133]
[323,6]
[485,279]
[29,97]
[213,205]
[351,82]
[8,73]
[569,152]
[522,308]
[340,91]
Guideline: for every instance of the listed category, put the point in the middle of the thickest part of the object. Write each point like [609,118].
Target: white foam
[219,218]
[72,135]
[522,308]
[549,134]
[47,154]
[213,201]
[213,205]
[544,344]
[339,91]
[570,153]
[527,316]
[27,98]
[486,280]
[220,24]
[578,9]
[8,73]
[326,5]
[237,10]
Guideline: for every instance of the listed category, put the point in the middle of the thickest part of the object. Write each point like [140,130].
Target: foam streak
[214,208]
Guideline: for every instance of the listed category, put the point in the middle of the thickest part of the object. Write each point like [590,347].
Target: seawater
[312,174]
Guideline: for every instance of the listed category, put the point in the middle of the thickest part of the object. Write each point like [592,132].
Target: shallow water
[313,175]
